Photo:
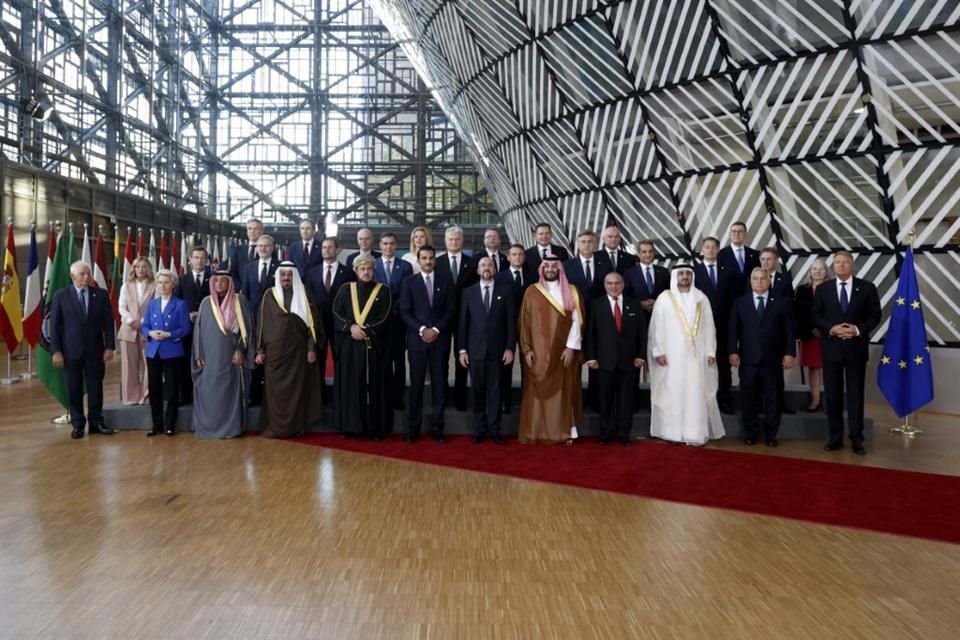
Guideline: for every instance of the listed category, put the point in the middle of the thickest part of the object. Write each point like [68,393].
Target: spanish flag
[11,322]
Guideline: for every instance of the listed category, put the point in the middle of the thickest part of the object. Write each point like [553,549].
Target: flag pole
[906,429]
[9,379]
[29,374]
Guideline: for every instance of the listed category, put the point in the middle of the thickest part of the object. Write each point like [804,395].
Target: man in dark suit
[491,248]
[781,284]
[515,279]
[739,258]
[258,276]
[486,339]
[365,243]
[82,342]
[615,345]
[306,254]
[762,343]
[612,255]
[718,283]
[845,310]
[460,269]
[645,280]
[391,271]
[586,269]
[323,283]
[543,235]
[241,254]
[427,309]
[192,288]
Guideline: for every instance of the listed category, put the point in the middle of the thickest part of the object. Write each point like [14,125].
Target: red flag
[164,258]
[128,256]
[32,302]
[99,264]
[175,253]
[139,243]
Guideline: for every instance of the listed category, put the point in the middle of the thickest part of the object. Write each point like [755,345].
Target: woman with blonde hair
[810,356]
[135,294]
[419,237]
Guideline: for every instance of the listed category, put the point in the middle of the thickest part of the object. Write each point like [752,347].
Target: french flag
[32,302]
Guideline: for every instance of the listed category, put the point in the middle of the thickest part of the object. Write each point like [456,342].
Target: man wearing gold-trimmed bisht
[682,345]
[551,321]
[361,347]
[288,331]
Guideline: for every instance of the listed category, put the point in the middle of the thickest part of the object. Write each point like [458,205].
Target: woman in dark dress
[809,335]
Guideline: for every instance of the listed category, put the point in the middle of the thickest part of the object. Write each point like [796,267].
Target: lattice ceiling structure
[823,124]
[236,108]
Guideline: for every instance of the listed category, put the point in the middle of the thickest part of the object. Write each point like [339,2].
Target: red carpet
[907,503]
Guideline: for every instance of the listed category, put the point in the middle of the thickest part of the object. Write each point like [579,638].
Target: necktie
[613,259]
[650,280]
[83,301]
[252,253]
[760,306]
[428,281]
[328,279]
[496,262]
[389,266]
[844,300]
[306,249]
[199,282]
[517,278]
[454,269]
[617,315]
[486,298]
[589,273]
[713,275]
[263,276]
[740,259]
[544,253]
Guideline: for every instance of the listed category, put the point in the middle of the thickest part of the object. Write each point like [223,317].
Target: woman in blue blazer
[164,326]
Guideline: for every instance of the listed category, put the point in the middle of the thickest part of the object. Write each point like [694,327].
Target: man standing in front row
[551,321]
[615,346]
[762,344]
[82,342]
[288,331]
[846,310]
[486,336]
[683,368]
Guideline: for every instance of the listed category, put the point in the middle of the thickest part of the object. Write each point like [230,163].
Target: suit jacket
[416,310]
[239,257]
[251,282]
[721,296]
[295,255]
[188,292]
[533,259]
[174,319]
[863,310]
[468,275]
[751,260]
[762,341]
[401,271]
[575,274]
[353,256]
[483,335]
[624,260]
[636,282]
[323,299]
[782,284]
[803,311]
[77,336]
[501,259]
[506,278]
[615,351]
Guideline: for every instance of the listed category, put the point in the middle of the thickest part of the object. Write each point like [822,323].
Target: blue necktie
[740,259]
[713,275]
[83,301]
[844,300]
[761,307]
[650,280]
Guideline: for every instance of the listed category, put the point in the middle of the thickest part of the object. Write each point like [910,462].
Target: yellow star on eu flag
[915,304]
[901,301]
[902,364]
[885,360]
[918,360]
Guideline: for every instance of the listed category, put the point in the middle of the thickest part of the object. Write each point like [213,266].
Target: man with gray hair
[460,269]
[82,342]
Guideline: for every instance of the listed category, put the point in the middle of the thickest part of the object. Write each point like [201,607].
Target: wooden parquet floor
[129,537]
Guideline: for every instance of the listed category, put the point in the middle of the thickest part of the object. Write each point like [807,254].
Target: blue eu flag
[905,375]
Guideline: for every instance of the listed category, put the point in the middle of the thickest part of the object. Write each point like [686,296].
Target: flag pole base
[28,375]
[64,419]
[906,429]
[9,381]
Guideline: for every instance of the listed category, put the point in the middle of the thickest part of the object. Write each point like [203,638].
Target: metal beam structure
[235,108]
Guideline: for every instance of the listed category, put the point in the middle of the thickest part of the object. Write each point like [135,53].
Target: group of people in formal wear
[258,333]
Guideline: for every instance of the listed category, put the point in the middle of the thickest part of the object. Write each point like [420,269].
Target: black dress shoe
[154,432]
[749,441]
[727,408]
[833,446]
[605,440]
[170,432]
[772,442]
[498,440]
[625,442]
[477,439]
[76,434]
[413,437]
[859,449]
[439,438]
[378,438]
[102,430]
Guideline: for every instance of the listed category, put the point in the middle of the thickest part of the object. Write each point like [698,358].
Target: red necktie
[617,316]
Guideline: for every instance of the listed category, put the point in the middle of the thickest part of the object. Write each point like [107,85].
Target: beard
[551,278]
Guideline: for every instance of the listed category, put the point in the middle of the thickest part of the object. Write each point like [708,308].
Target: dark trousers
[459,388]
[615,394]
[186,371]
[256,385]
[164,379]
[435,358]
[485,382]
[724,375]
[397,367]
[326,393]
[761,389]
[76,374]
[835,373]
